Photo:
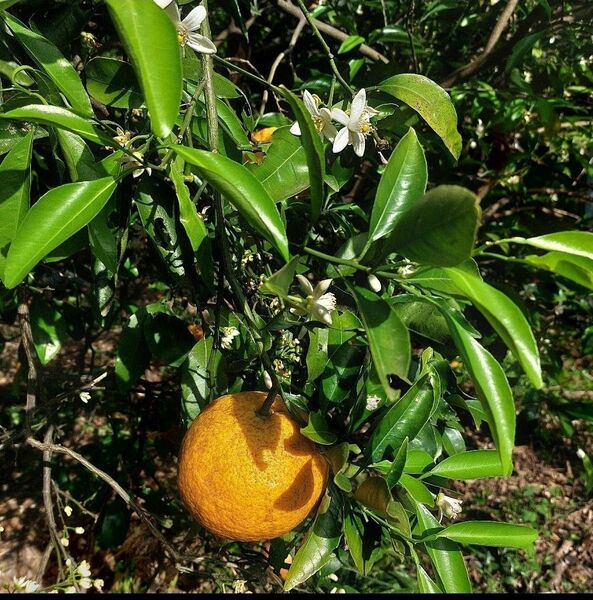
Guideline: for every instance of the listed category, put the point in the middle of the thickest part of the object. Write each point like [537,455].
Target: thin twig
[33,362]
[48,448]
[293,40]
[331,31]
[325,47]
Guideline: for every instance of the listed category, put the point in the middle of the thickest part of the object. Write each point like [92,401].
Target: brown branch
[33,363]
[364,49]
[469,69]
[117,488]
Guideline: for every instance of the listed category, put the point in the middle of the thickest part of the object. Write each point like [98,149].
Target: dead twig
[469,69]
[119,490]
[33,363]
[364,49]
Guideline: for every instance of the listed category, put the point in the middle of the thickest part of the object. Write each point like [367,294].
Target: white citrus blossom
[22,584]
[357,124]
[188,28]
[374,283]
[320,304]
[450,507]
[84,569]
[373,402]
[134,163]
[228,335]
[322,118]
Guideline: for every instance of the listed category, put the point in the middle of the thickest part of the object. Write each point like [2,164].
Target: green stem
[500,257]
[339,261]
[326,48]
[238,69]
[227,261]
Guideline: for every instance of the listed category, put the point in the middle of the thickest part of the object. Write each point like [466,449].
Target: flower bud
[374,283]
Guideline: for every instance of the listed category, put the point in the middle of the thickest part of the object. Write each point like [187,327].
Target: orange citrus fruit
[246,477]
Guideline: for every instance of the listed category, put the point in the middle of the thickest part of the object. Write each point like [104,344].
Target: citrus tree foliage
[322,258]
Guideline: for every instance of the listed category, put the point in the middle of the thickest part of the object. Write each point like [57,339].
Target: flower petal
[340,116]
[358,142]
[305,285]
[329,131]
[359,103]
[322,287]
[201,43]
[327,302]
[194,18]
[310,103]
[341,141]
[163,3]
[295,129]
[173,11]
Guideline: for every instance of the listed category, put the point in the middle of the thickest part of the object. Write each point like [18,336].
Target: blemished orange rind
[245,477]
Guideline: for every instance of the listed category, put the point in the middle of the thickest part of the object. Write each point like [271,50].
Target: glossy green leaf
[113,83]
[440,227]
[402,183]
[318,430]
[279,282]
[421,317]
[505,317]
[317,352]
[489,533]
[579,243]
[404,420]
[350,43]
[425,584]
[314,153]
[52,61]
[56,216]
[132,352]
[194,226]
[150,39]
[572,266]
[197,375]
[444,555]
[244,191]
[374,494]
[321,540]
[78,157]
[492,388]
[363,538]
[398,465]
[474,464]
[58,117]
[417,489]
[284,171]
[432,103]
[48,329]
[104,243]
[15,175]
[388,337]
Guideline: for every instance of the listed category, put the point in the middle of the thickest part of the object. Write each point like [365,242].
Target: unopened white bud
[374,283]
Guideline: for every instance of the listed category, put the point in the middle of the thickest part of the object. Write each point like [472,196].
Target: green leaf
[432,103]
[314,152]
[492,389]
[489,533]
[363,539]
[317,352]
[195,378]
[374,494]
[350,43]
[421,317]
[56,216]
[444,555]
[48,329]
[425,584]
[284,171]
[439,229]
[4,4]
[402,183]
[417,489]
[113,83]
[474,464]
[53,62]
[58,117]
[104,243]
[243,190]
[506,319]
[398,465]
[79,159]
[15,175]
[150,39]
[318,430]
[279,282]
[321,540]
[576,268]
[193,224]
[404,420]
[579,243]
[132,352]
[388,337]
[192,70]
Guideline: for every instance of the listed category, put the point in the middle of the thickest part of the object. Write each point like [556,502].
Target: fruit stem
[265,409]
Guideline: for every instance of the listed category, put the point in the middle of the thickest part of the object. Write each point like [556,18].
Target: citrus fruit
[246,477]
